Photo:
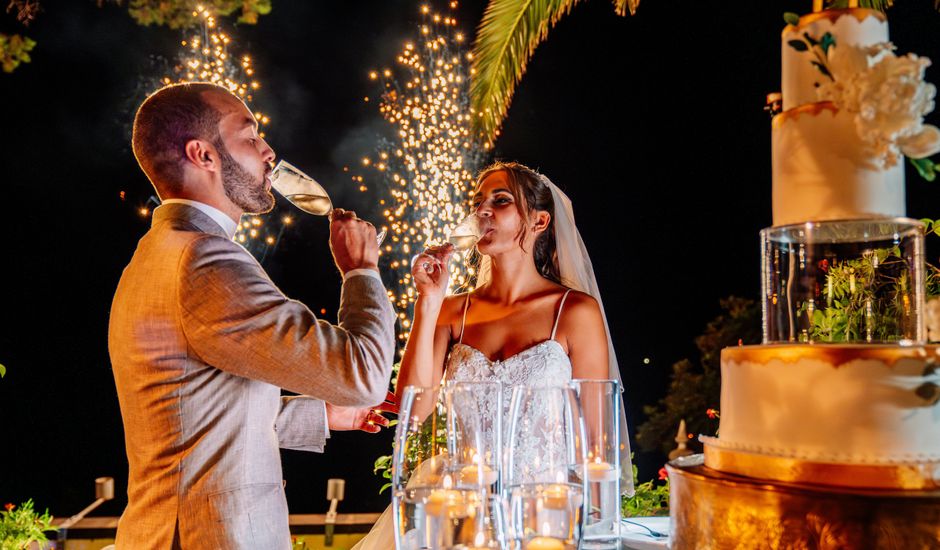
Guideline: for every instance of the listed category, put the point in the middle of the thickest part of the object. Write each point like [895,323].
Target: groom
[202,341]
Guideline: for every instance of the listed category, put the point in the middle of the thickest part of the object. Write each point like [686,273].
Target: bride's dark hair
[530,194]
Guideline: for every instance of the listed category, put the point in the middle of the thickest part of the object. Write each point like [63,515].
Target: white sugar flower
[888,96]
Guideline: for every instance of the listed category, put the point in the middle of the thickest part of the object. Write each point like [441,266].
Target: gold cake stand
[714,510]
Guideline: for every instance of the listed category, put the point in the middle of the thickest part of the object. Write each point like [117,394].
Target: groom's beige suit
[201,341]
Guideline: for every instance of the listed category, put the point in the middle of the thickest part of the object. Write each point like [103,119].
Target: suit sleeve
[301,424]
[237,320]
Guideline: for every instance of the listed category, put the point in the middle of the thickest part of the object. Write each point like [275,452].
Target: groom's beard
[241,187]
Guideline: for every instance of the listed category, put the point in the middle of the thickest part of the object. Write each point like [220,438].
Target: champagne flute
[304,192]
[467,233]
[463,236]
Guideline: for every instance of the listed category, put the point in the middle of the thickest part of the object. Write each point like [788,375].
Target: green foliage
[925,167]
[421,445]
[864,299]
[178,14]
[649,498]
[818,47]
[14,49]
[22,525]
[695,388]
[383,468]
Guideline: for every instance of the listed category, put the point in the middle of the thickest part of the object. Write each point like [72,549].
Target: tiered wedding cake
[830,444]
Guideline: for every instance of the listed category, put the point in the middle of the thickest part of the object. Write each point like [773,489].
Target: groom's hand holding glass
[352,242]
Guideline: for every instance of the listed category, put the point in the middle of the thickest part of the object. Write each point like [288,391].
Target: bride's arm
[423,361]
[582,327]
[587,349]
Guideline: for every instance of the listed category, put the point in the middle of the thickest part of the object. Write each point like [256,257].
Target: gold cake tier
[914,475]
[714,510]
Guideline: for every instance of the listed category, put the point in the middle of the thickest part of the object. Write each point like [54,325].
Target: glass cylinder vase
[847,281]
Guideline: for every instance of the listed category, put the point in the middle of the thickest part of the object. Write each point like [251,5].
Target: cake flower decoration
[885,93]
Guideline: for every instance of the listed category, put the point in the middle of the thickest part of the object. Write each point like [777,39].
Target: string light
[428,169]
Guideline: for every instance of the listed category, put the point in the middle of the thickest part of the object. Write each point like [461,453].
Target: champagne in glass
[318,205]
[304,192]
[465,234]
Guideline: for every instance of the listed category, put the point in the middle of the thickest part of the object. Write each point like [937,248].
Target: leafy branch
[864,299]
[420,446]
[19,526]
[14,49]
[819,48]
[175,14]
[695,387]
[178,14]
[649,498]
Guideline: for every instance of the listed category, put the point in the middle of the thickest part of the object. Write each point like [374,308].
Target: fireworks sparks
[206,58]
[429,166]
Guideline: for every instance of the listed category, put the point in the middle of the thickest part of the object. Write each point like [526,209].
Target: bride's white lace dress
[543,364]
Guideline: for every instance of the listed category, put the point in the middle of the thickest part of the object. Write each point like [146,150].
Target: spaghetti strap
[463,323]
[557,317]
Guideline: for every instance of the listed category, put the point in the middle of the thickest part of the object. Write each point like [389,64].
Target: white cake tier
[846,404]
[823,171]
[855,26]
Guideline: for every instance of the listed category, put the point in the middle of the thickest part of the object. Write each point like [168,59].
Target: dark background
[654,125]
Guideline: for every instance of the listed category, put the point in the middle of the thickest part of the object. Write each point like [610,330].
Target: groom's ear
[540,221]
[201,153]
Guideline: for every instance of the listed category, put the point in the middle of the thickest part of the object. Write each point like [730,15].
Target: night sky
[654,126]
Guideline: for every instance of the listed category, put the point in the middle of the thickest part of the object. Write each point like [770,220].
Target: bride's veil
[574,265]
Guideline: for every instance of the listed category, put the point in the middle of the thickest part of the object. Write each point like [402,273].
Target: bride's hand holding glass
[429,270]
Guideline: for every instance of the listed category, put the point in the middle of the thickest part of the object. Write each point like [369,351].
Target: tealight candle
[545,543]
[601,471]
[440,501]
[555,497]
[470,475]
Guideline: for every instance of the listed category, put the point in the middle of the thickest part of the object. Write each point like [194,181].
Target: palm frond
[623,7]
[508,35]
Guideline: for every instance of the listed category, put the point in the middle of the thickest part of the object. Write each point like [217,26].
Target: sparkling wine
[463,242]
[318,205]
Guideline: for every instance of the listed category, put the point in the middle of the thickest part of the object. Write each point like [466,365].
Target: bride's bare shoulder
[453,305]
[579,307]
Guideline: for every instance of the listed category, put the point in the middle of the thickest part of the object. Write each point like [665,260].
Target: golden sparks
[429,166]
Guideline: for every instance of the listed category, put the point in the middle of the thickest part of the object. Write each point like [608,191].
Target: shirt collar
[225,222]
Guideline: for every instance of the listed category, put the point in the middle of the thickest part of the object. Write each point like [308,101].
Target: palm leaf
[510,32]
[508,35]
[623,7]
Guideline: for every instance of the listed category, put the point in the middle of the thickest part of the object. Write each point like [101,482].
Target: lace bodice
[544,364]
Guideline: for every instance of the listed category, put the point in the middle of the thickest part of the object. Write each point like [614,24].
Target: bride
[535,317]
